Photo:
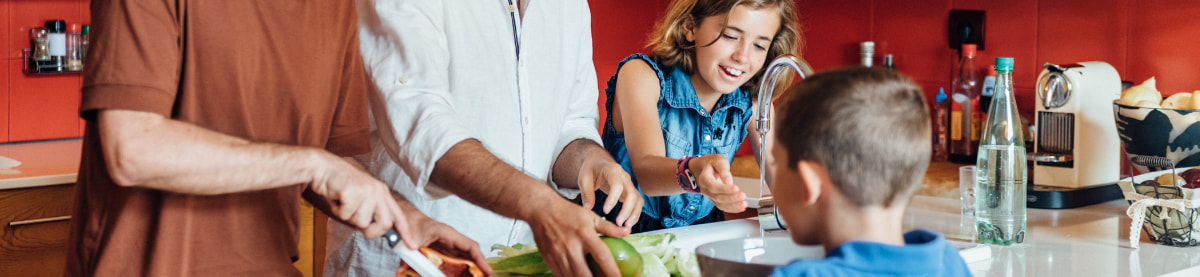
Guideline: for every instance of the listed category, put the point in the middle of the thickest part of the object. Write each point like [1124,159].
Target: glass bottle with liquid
[965,117]
[1000,174]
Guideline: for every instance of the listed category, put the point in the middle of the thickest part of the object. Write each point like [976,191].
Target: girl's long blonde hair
[669,45]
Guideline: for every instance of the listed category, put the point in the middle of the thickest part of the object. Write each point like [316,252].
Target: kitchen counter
[1091,241]
[43,163]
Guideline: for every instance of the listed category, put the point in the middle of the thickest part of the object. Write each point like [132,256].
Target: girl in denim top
[677,117]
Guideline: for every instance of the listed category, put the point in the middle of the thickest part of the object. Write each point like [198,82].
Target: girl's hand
[715,181]
[605,175]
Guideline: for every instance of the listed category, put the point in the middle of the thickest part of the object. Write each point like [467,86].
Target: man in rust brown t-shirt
[207,121]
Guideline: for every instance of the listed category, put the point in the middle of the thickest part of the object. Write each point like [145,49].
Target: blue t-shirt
[924,254]
[688,129]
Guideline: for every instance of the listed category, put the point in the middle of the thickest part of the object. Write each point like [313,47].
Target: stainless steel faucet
[768,214]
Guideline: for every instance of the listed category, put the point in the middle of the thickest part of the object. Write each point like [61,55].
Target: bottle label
[956,125]
[57,44]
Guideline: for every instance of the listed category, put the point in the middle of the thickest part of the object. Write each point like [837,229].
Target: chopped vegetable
[658,258]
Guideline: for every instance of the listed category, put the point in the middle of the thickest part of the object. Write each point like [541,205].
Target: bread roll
[1142,95]
[1165,180]
[1182,100]
[1195,103]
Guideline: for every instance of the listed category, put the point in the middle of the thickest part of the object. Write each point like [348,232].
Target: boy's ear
[813,176]
[689,29]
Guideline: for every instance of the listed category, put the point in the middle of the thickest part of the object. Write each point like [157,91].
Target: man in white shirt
[481,110]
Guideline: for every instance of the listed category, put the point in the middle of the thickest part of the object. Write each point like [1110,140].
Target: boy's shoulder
[924,254]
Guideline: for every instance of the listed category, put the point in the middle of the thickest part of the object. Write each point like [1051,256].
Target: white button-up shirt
[447,71]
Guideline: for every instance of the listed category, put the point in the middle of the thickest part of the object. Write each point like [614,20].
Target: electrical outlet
[966,26]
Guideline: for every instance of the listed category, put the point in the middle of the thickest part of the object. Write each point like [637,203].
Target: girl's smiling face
[728,56]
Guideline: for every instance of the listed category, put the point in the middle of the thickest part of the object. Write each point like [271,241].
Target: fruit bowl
[1168,213]
[1159,132]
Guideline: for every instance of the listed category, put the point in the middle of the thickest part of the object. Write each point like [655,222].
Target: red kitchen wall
[1139,38]
[36,107]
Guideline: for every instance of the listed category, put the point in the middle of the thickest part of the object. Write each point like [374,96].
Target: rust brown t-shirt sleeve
[349,133]
[137,66]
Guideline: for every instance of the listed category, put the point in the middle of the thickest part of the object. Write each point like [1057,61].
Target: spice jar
[74,54]
[41,50]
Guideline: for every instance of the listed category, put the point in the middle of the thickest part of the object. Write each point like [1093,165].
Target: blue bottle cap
[941,97]
[1004,63]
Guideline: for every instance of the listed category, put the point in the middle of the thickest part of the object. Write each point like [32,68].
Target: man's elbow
[125,170]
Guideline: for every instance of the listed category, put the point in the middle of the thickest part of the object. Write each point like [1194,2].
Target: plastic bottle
[1000,175]
[964,115]
[74,49]
[941,126]
[83,42]
[868,53]
[887,62]
[989,84]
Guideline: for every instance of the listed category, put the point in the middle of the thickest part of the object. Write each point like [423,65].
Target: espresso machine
[1076,159]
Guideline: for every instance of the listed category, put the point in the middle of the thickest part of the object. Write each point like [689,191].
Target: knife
[413,258]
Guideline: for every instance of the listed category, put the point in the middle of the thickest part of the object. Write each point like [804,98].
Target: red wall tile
[27,14]
[85,14]
[620,28]
[4,102]
[1011,31]
[1071,31]
[908,30]
[1162,39]
[42,106]
[5,30]
[833,30]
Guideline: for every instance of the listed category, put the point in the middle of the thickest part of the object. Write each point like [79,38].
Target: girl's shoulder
[642,71]
[642,61]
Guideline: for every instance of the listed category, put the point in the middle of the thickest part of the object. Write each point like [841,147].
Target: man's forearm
[147,150]
[571,160]
[472,173]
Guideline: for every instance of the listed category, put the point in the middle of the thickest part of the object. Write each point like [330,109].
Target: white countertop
[1090,241]
[42,163]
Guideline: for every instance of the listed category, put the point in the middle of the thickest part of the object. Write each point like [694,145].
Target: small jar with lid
[74,51]
[40,54]
[56,39]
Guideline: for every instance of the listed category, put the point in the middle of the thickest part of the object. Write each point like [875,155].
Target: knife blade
[413,258]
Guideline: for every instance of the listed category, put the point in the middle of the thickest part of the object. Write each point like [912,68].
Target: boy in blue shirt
[850,149]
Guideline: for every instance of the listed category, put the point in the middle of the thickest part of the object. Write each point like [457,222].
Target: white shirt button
[525,120]
[402,81]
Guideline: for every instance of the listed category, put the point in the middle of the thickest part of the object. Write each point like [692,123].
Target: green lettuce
[659,258]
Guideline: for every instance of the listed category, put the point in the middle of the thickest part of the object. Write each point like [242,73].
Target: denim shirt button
[707,137]
[692,208]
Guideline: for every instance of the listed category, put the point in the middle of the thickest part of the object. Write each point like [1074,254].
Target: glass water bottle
[1000,175]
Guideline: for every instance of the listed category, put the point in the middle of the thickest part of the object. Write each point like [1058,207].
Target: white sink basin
[751,256]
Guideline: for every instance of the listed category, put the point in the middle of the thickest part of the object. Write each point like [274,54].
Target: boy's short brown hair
[869,127]
[669,45]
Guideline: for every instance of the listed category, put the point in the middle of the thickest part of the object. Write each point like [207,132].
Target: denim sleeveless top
[688,129]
